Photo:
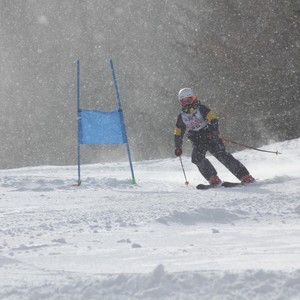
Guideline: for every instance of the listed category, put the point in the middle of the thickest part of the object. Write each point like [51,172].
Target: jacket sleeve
[211,117]
[179,132]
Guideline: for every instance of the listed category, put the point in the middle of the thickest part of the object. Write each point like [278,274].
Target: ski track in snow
[159,239]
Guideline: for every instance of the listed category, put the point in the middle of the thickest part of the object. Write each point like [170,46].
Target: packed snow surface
[158,239]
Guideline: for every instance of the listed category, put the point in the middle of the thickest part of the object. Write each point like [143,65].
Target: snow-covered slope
[159,239]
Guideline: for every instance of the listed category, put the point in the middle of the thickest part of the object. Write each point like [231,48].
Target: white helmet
[185,92]
[186,96]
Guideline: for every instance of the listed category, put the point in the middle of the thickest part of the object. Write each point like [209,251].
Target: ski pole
[186,182]
[246,146]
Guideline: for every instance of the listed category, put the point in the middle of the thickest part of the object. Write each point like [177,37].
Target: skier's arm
[209,115]
[179,132]
[213,125]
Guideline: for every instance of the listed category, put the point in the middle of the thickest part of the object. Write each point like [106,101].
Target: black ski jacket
[195,123]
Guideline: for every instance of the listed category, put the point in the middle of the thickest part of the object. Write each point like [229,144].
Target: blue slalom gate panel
[101,127]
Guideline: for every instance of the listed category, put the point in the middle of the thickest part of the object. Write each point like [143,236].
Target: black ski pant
[216,147]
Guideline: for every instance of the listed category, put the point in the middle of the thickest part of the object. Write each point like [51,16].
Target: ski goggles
[187,100]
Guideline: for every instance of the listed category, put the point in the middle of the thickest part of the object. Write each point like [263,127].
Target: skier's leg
[218,150]
[204,165]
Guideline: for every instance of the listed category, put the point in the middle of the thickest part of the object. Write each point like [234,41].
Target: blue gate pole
[78,121]
[122,118]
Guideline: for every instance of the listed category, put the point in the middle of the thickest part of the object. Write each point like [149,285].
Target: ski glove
[178,151]
[213,136]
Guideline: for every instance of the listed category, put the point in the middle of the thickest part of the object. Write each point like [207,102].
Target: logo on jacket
[194,121]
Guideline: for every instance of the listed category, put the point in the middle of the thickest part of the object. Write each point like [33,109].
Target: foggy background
[240,57]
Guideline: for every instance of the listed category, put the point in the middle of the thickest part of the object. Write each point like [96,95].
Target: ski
[232,184]
[226,184]
[206,186]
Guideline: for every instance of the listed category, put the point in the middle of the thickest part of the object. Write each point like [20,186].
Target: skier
[202,130]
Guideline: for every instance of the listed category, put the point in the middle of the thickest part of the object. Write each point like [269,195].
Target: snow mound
[210,215]
[160,284]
